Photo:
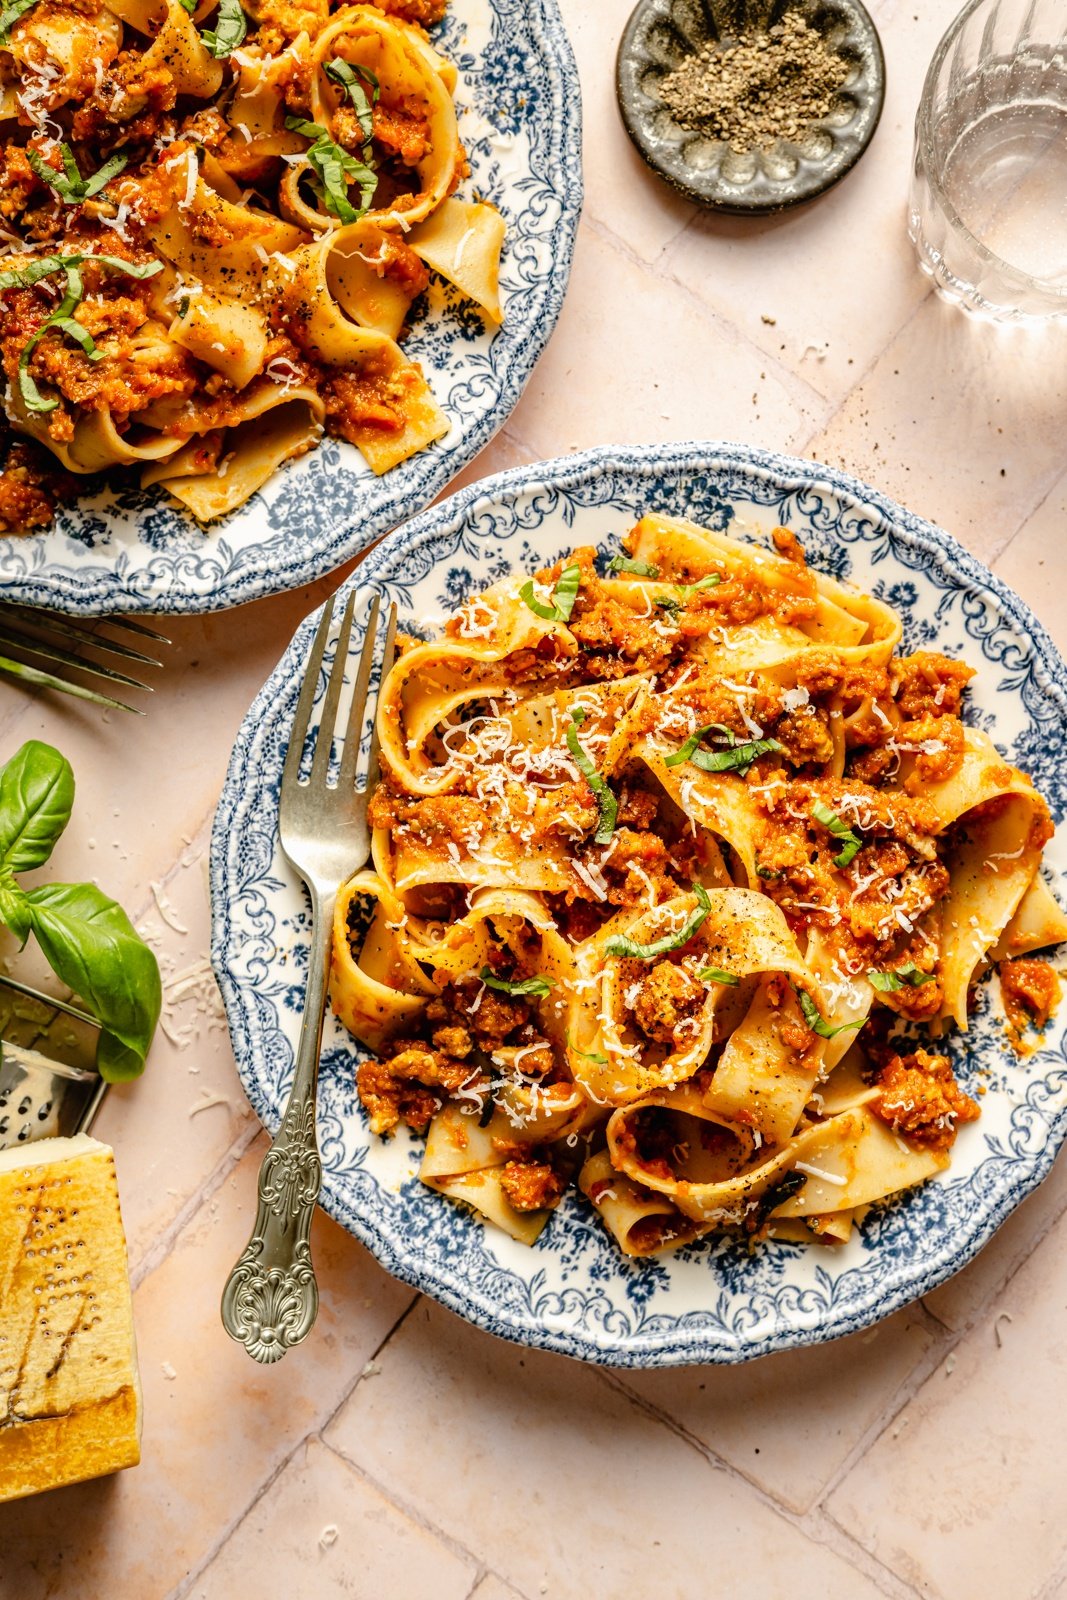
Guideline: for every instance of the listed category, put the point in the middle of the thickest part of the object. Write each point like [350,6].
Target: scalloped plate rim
[681,1346]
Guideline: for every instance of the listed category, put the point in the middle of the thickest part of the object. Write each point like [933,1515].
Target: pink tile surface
[920,1459]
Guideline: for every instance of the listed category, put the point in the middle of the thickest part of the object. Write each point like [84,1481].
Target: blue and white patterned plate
[574,1292]
[128,550]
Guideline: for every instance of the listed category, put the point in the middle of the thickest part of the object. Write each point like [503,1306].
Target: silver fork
[271,1297]
[29,631]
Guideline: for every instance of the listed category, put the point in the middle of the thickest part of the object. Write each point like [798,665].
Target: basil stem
[853,844]
[890,982]
[717,975]
[607,805]
[535,986]
[563,596]
[620,945]
[639,569]
[817,1023]
[232,28]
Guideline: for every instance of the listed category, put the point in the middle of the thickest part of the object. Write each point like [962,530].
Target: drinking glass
[988,203]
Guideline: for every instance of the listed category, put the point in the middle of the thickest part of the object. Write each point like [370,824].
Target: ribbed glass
[988,203]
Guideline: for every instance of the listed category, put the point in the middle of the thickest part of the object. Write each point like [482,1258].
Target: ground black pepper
[765,87]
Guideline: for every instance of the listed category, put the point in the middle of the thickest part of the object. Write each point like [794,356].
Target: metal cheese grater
[49,1084]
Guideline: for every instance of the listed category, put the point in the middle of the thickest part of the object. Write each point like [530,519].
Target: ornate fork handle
[271,1298]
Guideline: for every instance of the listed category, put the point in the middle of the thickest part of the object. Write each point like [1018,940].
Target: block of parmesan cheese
[70,1399]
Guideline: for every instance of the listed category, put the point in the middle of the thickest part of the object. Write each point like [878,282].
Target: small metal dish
[661,33]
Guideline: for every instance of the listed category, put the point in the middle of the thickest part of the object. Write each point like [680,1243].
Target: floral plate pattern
[574,1292]
[124,549]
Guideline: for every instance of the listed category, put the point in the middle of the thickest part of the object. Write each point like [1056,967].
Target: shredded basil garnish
[639,569]
[535,986]
[233,25]
[840,830]
[356,81]
[333,167]
[188,5]
[590,1055]
[607,805]
[817,1023]
[684,590]
[62,318]
[738,758]
[620,945]
[773,1197]
[890,982]
[717,975]
[69,184]
[11,14]
[563,596]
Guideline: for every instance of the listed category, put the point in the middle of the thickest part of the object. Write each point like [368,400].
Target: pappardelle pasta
[215,219]
[680,873]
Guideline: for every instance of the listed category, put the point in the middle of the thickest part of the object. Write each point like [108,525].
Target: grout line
[195,1573]
[797,388]
[162,1245]
[1038,506]
[811,1524]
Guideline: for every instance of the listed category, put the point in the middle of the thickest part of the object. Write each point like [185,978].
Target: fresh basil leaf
[90,943]
[535,986]
[620,945]
[563,596]
[188,5]
[685,751]
[738,759]
[36,796]
[639,569]
[853,844]
[11,14]
[69,184]
[333,167]
[231,30]
[717,975]
[817,1022]
[773,1197]
[890,982]
[607,805]
[356,80]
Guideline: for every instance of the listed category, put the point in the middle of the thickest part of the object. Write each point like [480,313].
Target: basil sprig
[684,590]
[620,945]
[232,28]
[333,168]
[563,596]
[535,986]
[817,1022]
[890,982]
[87,939]
[639,569]
[62,318]
[718,975]
[69,184]
[11,14]
[607,805]
[738,758]
[852,842]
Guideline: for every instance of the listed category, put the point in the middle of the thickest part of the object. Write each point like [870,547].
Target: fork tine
[350,754]
[302,714]
[68,658]
[388,651]
[66,628]
[320,763]
[48,680]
